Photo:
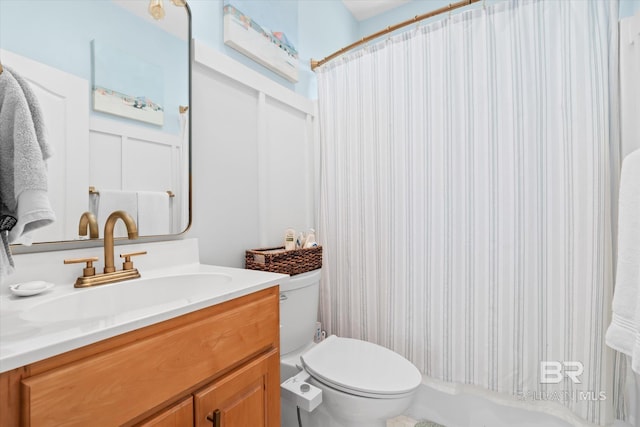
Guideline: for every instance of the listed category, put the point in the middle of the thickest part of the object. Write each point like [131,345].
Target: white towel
[154,215]
[116,200]
[624,332]
[34,211]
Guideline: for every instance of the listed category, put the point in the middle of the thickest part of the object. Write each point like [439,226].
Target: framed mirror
[113,84]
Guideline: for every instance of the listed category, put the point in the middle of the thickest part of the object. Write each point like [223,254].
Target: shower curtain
[466,200]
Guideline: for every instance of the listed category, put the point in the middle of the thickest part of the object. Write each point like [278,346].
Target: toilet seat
[361,368]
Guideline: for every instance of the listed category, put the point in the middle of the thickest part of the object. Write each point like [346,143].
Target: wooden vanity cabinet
[221,363]
[180,414]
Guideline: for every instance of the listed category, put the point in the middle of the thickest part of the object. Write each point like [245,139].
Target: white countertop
[25,340]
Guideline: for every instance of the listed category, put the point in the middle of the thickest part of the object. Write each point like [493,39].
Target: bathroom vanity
[210,358]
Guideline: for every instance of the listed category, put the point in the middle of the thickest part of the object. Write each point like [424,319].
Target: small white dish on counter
[26,289]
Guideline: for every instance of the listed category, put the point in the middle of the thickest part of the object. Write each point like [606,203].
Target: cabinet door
[178,415]
[123,383]
[247,396]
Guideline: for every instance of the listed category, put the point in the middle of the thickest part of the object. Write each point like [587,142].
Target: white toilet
[363,384]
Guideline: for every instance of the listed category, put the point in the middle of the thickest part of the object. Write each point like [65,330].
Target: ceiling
[365,9]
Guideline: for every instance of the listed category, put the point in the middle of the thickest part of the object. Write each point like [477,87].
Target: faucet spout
[132,231]
[88,222]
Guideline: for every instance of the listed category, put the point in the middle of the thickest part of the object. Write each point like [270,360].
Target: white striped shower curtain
[466,200]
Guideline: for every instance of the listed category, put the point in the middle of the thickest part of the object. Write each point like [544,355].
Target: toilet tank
[299,311]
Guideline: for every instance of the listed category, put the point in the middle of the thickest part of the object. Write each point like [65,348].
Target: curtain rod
[315,64]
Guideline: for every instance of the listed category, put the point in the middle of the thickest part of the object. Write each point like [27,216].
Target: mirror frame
[17,249]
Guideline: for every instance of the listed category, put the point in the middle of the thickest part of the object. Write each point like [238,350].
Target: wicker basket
[277,260]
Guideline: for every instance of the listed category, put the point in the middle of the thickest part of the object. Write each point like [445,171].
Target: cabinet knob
[128,264]
[89,270]
[215,418]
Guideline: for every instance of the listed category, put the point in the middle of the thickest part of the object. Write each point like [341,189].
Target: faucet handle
[128,264]
[89,270]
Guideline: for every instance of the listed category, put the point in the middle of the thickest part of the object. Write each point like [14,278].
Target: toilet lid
[361,368]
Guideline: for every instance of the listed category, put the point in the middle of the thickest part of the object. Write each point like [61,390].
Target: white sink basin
[174,283]
[127,300]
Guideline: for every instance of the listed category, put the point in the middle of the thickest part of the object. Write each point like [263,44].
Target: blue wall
[325,26]
[49,32]
[629,8]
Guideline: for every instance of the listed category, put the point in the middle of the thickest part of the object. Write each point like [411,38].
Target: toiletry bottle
[310,241]
[289,239]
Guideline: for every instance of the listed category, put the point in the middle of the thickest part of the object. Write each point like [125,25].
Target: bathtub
[464,408]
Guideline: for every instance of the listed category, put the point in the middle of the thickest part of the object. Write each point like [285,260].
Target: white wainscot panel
[225,166]
[105,164]
[156,175]
[288,177]
[118,149]
[254,159]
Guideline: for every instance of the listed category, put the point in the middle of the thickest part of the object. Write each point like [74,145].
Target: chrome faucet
[88,222]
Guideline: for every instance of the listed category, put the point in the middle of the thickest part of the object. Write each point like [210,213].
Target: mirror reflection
[113,87]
